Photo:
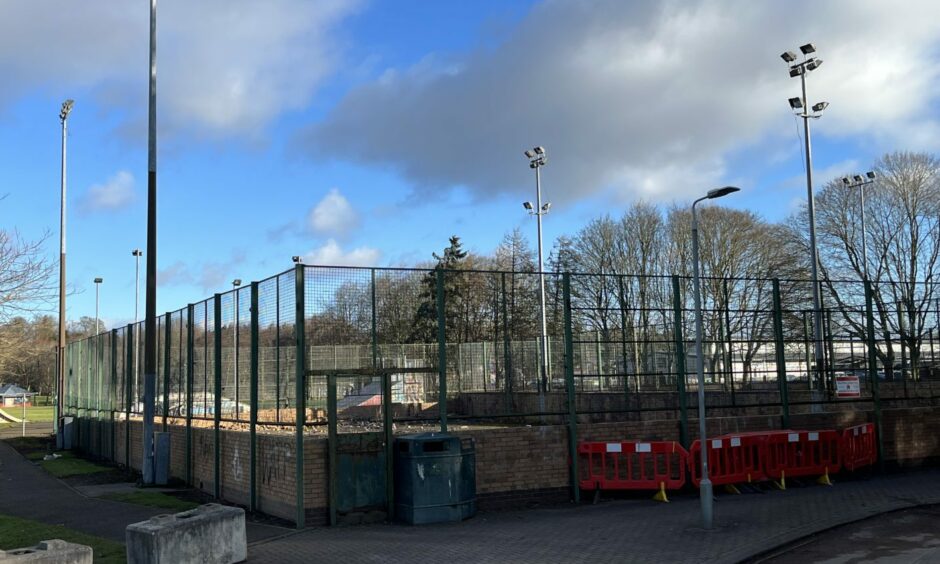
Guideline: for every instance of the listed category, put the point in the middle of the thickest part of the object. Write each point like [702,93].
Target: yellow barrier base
[731,489]
[661,494]
[782,483]
[824,479]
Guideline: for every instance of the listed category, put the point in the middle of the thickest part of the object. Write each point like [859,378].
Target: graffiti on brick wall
[237,466]
[275,457]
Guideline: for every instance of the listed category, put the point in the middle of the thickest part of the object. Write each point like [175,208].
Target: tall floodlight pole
[858,182]
[801,107]
[60,380]
[235,284]
[136,253]
[150,322]
[98,282]
[537,160]
[705,486]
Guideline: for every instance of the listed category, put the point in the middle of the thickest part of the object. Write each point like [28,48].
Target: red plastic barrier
[632,465]
[858,446]
[725,461]
[802,453]
[735,458]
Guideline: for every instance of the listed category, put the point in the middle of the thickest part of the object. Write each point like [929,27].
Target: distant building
[11,395]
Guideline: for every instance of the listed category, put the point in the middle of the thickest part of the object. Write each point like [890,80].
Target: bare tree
[903,232]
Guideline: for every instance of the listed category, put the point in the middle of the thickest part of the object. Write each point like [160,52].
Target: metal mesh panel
[286,367]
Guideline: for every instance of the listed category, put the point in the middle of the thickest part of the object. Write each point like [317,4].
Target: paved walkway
[616,531]
[27,491]
[907,536]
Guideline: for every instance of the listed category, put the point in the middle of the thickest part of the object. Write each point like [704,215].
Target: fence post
[253,400]
[167,330]
[873,371]
[387,415]
[781,359]
[189,393]
[623,343]
[569,386]
[729,358]
[680,362]
[113,391]
[507,348]
[128,378]
[300,399]
[217,385]
[441,351]
[331,417]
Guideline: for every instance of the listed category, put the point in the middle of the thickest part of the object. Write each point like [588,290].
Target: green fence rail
[438,348]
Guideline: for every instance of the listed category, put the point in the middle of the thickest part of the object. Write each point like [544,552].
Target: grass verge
[68,465]
[153,499]
[19,533]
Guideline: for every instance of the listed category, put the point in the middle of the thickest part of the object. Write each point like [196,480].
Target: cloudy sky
[366,133]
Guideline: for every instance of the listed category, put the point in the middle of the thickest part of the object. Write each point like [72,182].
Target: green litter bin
[435,478]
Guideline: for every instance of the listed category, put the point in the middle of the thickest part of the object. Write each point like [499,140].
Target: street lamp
[235,284]
[60,383]
[537,160]
[705,486]
[857,181]
[801,109]
[136,253]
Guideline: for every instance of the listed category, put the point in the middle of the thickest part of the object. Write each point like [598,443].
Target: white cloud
[640,97]
[223,66]
[332,254]
[114,194]
[333,215]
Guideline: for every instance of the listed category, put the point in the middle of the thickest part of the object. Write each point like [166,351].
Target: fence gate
[360,440]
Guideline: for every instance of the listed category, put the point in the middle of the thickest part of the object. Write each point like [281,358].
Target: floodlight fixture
[788,56]
[546,206]
[530,153]
[297,259]
[237,282]
[99,280]
[527,205]
[845,180]
[820,106]
[858,178]
[814,64]
[870,174]
[796,103]
[719,192]
[66,109]
[796,71]
[540,150]
[808,48]
[137,253]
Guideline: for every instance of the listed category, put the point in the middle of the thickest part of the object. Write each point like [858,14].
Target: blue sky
[367,133]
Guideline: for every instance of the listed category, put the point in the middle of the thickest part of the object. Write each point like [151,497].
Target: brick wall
[514,465]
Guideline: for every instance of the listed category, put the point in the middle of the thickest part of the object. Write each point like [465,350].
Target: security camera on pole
[537,160]
[801,107]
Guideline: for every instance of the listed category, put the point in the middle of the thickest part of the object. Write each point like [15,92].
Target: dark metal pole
[814,257]
[150,323]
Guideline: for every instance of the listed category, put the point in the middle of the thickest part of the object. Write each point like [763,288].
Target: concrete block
[209,534]
[53,551]
[68,432]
